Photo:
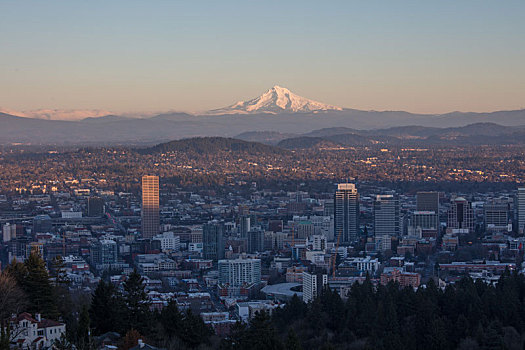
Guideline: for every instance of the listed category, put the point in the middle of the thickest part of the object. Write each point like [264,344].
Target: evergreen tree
[171,320]
[195,331]
[59,274]
[83,332]
[107,309]
[38,287]
[292,342]
[136,299]
[261,334]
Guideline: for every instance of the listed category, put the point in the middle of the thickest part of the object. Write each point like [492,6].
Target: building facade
[313,284]
[346,213]
[386,220]
[150,206]
[213,241]
[460,216]
[237,272]
[520,205]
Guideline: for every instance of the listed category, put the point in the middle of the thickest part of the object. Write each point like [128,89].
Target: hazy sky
[149,55]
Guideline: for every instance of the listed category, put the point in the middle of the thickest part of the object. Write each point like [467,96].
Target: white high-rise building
[168,242]
[313,284]
[237,272]
[8,232]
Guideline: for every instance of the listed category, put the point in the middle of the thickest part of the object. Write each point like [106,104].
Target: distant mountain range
[276,115]
[473,134]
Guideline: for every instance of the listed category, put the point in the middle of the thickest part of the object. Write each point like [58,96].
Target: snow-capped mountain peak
[277,100]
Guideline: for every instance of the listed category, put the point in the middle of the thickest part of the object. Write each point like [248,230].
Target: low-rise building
[35,333]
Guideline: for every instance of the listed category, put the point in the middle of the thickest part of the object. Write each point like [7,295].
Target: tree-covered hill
[207,145]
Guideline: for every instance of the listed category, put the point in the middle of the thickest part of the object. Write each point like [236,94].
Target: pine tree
[59,272]
[261,334]
[107,309]
[38,288]
[195,330]
[292,342]
[83,332]
[136,301]
[171,320]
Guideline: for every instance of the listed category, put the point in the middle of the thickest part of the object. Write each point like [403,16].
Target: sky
[155,55]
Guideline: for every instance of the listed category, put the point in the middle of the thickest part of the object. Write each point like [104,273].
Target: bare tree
[12,297]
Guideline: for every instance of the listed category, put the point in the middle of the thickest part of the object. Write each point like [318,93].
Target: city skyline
[275,175]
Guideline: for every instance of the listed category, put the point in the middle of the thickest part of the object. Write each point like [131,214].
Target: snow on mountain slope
[276,100]
[58,114]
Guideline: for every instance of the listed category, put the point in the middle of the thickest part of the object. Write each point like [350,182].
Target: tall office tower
[238,272]
[95,206]
[212,240]
[150,206]
[428,201]
[313,284]
[346,211]
[255,241]
[8,232]
[386,220]
[460,216]
[245,226]
[496,216]
[520,201]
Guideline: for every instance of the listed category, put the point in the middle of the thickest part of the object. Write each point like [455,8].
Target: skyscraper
[150,206]
[212,240]
[255,241]
[496,216]
[245,226]
[460,215]
[426,215]
[313,284]
[386,220]
[520,201]
[346,213]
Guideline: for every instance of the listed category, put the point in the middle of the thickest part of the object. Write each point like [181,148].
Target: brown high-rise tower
[150,206]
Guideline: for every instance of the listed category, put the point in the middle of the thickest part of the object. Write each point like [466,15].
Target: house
[34,333]
[143,346]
